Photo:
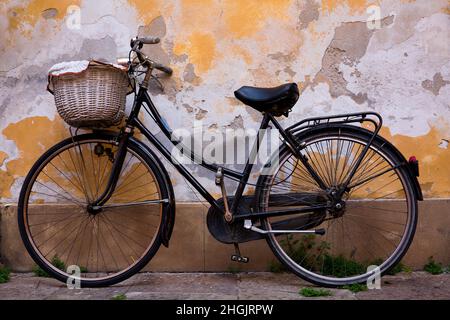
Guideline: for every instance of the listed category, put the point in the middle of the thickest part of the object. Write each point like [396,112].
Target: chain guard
[236,233]
[231,232]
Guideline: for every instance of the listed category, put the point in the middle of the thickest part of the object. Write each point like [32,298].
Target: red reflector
[414,165]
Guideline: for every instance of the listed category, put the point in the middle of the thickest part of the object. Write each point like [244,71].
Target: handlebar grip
[149,40]
[163,68]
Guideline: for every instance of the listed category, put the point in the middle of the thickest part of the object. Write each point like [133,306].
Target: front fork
[119,159]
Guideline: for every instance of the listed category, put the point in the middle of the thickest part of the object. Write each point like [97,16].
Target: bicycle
[340,198]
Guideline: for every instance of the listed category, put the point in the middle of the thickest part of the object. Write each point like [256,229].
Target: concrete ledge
[193,249]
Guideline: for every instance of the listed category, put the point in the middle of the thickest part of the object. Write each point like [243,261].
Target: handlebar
[163,68]
[137,43]
[149,40]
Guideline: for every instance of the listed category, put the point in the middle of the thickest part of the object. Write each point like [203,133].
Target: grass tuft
[83,269]
[233,269]
[355,287]
[276,267]
[120,296]
[311,292]
[433,267]
[4,274]
[56,261]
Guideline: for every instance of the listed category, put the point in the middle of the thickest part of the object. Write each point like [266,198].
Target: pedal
[219,177]
[237,257]
[240,259]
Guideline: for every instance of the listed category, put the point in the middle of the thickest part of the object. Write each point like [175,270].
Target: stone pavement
[210,286]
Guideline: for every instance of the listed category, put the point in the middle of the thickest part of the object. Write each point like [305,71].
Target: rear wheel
[374,223]
[59,227]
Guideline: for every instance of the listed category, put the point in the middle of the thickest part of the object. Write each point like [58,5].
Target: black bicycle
[335,198]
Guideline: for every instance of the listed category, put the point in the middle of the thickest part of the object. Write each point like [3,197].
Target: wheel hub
[336,203]
[93,210]
[338,210]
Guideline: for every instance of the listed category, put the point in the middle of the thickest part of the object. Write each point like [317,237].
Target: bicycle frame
[133,122]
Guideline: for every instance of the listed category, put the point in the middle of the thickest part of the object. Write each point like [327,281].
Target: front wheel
[372,225]
[59,227]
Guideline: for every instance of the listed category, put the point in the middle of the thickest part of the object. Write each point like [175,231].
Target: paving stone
[282,286]
[416,285]
[219,286]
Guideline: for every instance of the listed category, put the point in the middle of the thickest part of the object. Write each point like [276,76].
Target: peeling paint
[443,144]
[32,136]
[433,160]
[237,123]
[436,84]
[29,12]
[189,74]
[309,13]
[148,10]
[50,13]
[244,18]
[200,48]
[349,44]
[401,70]
[3,157]
[201,114]
[188,108]
[353,5]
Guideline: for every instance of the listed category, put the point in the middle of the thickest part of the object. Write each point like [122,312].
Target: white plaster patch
[317,101]
[443,144]
[393,78]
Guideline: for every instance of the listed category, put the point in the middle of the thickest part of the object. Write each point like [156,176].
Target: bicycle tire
[45,264]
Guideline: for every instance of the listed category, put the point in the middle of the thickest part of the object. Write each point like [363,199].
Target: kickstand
[237,257]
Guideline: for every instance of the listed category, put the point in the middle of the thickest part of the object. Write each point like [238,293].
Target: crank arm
[249,226]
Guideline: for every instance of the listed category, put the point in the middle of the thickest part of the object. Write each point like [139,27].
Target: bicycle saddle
[277,101]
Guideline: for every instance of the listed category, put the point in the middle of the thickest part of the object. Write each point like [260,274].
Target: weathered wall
[401,70]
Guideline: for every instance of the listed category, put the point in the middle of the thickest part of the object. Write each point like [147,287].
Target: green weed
[4,274]
[433,267]
[311,292]
[56,261]
[356,287]
[120,296]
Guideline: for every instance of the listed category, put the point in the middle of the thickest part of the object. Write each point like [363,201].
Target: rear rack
[371,117]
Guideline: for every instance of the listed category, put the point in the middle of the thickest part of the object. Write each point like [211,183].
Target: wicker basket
[94,97]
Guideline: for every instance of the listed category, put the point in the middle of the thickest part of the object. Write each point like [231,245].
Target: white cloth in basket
[68,67]
[74,67]
[77,67]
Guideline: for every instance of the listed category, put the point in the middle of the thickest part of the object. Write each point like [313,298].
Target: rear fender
[412,164]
